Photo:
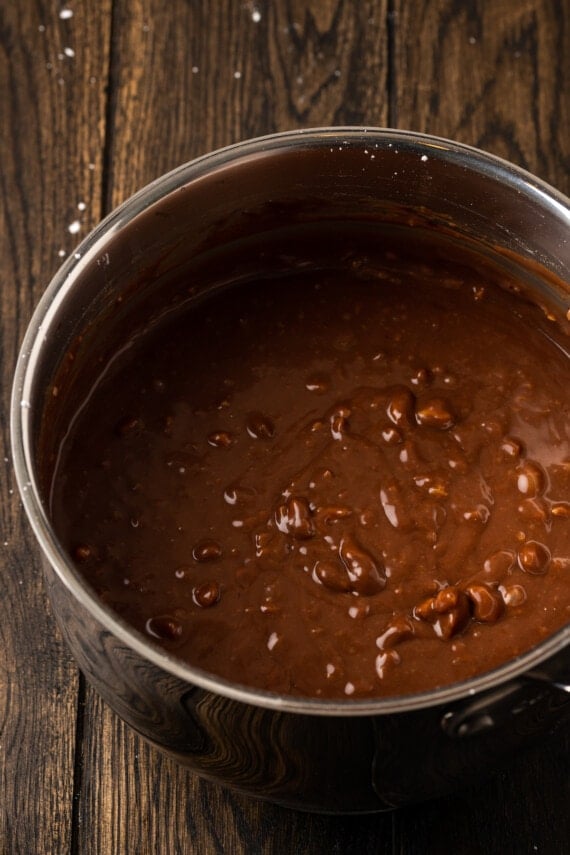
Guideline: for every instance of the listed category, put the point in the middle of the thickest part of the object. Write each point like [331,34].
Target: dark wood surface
[93,105]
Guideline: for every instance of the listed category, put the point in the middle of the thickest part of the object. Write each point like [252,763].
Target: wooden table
[97,98]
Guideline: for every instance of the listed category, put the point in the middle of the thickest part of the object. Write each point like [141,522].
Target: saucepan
[338,756]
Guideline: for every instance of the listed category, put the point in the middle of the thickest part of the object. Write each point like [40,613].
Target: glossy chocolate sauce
[336,481]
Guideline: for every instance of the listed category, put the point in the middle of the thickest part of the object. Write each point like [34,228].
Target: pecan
[294,517]
[448,612]
[365,575]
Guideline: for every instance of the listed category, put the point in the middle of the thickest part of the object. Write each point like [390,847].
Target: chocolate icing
[347,475]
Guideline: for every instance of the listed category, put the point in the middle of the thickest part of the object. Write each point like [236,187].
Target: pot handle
[538,692]
[562,683]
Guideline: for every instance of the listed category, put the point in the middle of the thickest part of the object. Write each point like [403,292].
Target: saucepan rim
[92,247]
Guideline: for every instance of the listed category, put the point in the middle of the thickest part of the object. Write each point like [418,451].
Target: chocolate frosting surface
[336,480]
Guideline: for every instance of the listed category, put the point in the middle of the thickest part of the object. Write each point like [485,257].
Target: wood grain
[52,120]
[142,87]
[209,74]
[495,75]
